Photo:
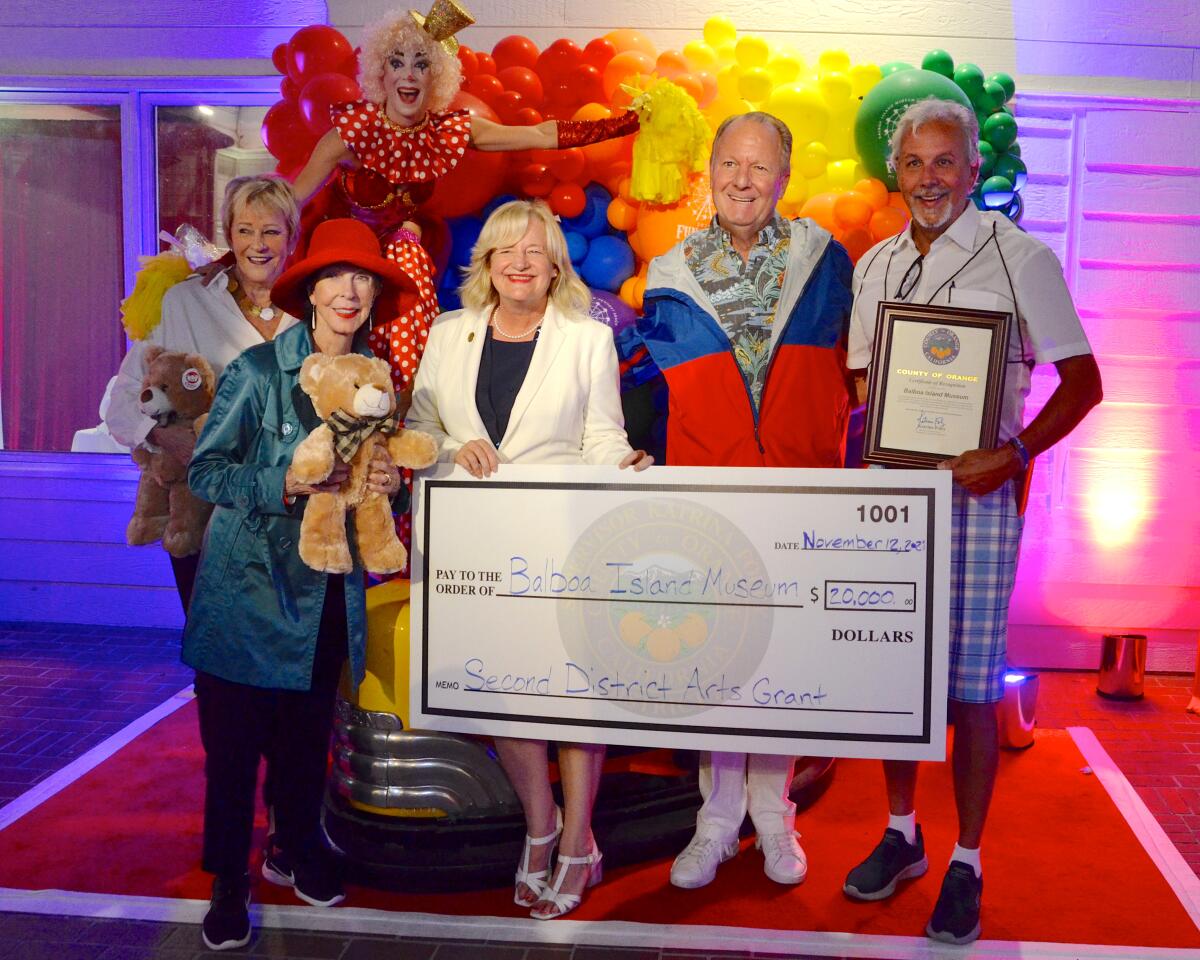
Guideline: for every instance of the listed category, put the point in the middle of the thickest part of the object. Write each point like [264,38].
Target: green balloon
[939,61]
[986,102]
[1014,150]
[1000,130]
[987,159]
[1012,169]
[969,79]
[997,192]
[1005,81]
[881,110]
[995,94]
[894,66]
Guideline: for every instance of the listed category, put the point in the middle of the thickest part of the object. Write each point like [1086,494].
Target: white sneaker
[783,857]
[696,866]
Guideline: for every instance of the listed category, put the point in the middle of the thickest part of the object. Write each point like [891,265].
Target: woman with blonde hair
[522,374]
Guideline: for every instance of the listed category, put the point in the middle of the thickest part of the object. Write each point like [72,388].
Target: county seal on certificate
[768,611]
[937,375]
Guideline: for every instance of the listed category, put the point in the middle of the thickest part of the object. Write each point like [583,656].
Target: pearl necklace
[519,336]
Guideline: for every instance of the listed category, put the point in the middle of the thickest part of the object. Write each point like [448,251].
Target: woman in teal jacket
[267,635]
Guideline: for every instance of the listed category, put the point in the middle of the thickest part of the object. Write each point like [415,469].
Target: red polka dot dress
[398,169]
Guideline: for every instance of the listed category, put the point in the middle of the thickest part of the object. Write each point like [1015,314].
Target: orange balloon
[670,64]
[692,85]
[852,211]
[819,207]
[624,66]
[602,156]
[622,215]
[897,201]
[660,228]
[709,82]
[627,39]
[856,242]
[886,223]
[875,191]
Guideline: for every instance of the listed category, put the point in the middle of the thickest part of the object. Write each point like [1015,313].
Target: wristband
[1022,451]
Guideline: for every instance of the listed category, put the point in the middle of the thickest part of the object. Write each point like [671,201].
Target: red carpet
[1061,863]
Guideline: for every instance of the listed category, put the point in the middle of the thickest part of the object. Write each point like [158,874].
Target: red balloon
[318,49]
[478,177]
[486,63]
[485,86]
[279,57]
[524,81]
[285,134]
[568,200]
[288,89]
[560,94]
[507,104]
[320,93]
[528,117]
[586,83]
[536,180]
[567,165]
[599,52]
[468,61]
[515,51]
[558,60]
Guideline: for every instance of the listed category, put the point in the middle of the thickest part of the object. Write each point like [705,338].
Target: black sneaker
[318,881]
[956,915]
[277,866]
[893,860]
[227,923]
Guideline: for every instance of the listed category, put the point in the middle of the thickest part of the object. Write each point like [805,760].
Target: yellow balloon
[718,31]
[726,52]
[727,80]
[796,192]
[843,174]
[833,61]
[802,108]
[752,51]
[810,161]
[863,76]
[784,68]
[754,85]
[839,138]
[835,88]
[724,107]
[700,55]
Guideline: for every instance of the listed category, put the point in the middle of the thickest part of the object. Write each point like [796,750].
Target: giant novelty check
[768,611]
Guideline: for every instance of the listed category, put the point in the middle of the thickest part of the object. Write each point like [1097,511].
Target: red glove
[580,133]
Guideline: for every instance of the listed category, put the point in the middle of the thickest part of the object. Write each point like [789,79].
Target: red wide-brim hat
[342,241]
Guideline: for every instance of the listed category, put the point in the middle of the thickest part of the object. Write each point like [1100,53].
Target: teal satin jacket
[256,607]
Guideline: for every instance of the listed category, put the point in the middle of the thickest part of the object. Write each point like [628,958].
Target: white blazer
[568,409]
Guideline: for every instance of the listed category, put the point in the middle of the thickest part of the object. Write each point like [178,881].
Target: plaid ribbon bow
[350,431]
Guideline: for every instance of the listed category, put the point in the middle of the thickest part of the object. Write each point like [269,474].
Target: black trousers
[185,569]
[239,724]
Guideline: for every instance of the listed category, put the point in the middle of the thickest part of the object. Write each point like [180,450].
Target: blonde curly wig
[399,30]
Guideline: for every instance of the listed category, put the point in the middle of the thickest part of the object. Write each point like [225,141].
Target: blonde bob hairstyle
[399,31]
[506,226]
[267,190]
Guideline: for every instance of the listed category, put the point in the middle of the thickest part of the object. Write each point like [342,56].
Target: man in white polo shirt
[953,254]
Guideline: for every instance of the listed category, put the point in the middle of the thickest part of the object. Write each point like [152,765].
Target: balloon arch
[841,115]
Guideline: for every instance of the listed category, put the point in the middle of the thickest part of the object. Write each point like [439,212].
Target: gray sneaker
[696,866]
[893,860]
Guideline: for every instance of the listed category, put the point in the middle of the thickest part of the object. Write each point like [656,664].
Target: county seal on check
[766,611]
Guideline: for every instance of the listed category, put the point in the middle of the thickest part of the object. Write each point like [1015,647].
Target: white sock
[969,857]
[906,824]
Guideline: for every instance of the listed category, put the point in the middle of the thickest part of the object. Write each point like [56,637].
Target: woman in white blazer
[522,374]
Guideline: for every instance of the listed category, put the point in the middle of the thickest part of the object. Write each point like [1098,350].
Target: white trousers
[732,783]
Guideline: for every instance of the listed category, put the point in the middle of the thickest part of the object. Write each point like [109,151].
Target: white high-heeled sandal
[536,880]
[563,903]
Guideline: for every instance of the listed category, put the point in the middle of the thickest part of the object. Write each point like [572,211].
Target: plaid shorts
[985,536]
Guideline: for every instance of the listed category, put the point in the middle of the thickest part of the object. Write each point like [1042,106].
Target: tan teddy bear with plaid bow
[353,395]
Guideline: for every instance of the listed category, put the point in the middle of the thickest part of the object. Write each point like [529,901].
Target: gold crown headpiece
[444,20]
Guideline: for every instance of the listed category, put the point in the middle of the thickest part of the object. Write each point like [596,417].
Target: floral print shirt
[745,294]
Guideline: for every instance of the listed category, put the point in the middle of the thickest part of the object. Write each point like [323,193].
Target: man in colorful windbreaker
[746,322]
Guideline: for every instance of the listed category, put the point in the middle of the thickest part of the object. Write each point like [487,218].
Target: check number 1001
[882,513]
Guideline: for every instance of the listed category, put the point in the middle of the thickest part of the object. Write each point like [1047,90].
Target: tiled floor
[64,689]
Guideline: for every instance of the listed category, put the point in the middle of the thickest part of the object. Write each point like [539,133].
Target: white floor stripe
[60,780]
[360,922]
[1158,845]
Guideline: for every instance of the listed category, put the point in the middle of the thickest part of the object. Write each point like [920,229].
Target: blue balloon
[594,219]
[497,202]
[608,264]
[577,245]
[464,231]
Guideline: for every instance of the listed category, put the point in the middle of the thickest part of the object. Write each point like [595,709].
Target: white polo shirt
[1048,327]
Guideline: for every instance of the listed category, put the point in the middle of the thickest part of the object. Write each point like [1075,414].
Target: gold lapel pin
[471,337]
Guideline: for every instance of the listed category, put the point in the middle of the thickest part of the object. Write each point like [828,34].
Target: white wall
[1114,47]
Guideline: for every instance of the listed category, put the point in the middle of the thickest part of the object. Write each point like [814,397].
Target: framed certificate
[937,378]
